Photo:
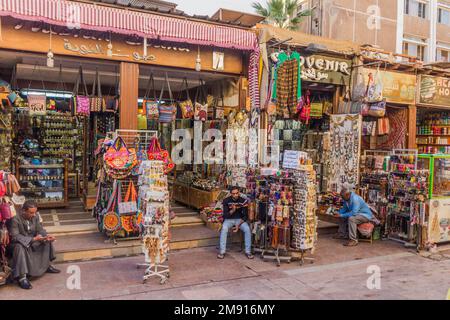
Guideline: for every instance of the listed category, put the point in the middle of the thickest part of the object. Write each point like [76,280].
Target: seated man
[355,212]
[235,216]
[32,247]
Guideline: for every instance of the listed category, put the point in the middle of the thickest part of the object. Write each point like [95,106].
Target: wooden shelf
[433,144]
[42,166]
[432,135]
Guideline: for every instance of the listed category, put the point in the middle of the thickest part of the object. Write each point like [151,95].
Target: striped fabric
[103,18]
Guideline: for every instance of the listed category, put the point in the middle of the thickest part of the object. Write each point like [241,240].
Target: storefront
[122,61]
[433,143]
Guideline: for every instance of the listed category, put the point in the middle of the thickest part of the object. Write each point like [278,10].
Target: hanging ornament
[198,62]
[50,59]
[50,55]
[109,52]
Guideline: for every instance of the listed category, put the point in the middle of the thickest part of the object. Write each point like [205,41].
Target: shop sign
[292,159]
[434,91]
[324,69]
[397,87]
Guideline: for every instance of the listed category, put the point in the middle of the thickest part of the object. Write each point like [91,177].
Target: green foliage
[281,13]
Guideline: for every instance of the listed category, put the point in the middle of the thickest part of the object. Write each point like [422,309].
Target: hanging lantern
[198,62]
[50,59]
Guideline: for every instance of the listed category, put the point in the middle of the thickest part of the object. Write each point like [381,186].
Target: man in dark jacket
[32,248]
[235,216]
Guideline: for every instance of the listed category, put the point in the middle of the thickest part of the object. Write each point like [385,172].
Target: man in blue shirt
[355,212]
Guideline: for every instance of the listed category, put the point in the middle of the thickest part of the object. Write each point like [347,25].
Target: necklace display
[343,156]
[154,204]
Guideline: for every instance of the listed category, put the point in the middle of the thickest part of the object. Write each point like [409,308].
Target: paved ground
[337,273]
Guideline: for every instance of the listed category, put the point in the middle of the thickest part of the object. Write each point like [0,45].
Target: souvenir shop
[433,144]
[65,99]
[386,101]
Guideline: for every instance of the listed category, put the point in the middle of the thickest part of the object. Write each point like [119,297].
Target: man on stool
[355,212]
[235,216]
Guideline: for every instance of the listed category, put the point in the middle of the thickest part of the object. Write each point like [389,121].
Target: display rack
[43,183]
[433,132]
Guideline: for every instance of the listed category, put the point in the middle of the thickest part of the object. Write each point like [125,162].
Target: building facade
[419,28]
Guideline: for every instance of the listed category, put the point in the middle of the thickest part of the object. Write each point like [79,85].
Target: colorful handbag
[111,220]
[5,210]
[96,100]
[186,106]
[167,111]
[119,157]
[80,103]
[150,106]
[155,152]
[374,91]
[377,109]
[305,112]
[129,204]
[201,104]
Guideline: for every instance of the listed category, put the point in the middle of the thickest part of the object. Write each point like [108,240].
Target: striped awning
[89,16]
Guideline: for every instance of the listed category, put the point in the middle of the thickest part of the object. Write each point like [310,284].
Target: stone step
[92,246]
[180,221]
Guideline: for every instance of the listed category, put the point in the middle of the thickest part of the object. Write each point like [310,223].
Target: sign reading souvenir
[325,69]
[397,87]
[434,91]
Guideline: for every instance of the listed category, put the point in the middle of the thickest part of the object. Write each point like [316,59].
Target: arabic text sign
[434,91]
[291,159]
[324,69]
[397,87]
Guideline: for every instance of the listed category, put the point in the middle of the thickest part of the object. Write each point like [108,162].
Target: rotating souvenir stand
[140,140]
[408,192]
[304,219]
[154,202]
[275,187]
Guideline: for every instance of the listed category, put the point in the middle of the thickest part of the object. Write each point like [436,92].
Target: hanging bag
[37,103]
[305,112]
[119,156]
[61,104]
[97,102]
[375,87]
[219,110]
[166,110]
[111,220]
[155,152]
[150,106]
[377,109]
[5,210]
[201,104]
[112,101]
[13,95]
[186,106]
[129,204]
[80,103]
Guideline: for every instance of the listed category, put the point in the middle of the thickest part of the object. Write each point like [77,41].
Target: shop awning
[128,22]
[301,39]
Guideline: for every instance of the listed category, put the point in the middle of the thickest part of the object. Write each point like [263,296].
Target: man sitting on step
[355,212]
[235,216]
[31,246]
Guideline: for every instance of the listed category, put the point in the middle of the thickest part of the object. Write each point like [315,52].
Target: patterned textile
[287,87]
[396,139]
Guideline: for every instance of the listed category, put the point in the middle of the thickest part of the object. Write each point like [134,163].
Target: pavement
[382,270]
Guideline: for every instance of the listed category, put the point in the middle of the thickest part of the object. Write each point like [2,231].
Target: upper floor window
[443,16]
[443,55]
[416,8]
[414,50]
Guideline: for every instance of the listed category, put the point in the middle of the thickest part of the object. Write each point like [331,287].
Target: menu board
[434,91]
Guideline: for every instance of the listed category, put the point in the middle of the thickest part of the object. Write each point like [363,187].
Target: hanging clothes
[287,89]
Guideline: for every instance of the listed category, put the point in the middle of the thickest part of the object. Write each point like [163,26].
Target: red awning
[103,18]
